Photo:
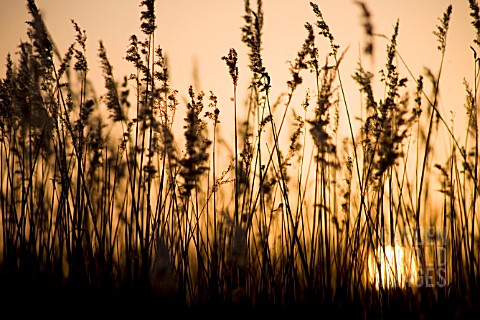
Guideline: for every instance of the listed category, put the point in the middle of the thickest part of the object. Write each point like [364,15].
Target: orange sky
[196,34]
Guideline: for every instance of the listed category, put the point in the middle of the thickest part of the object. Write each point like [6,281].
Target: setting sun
[392,266]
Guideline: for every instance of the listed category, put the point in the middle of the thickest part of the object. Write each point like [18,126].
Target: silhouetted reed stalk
[114,203]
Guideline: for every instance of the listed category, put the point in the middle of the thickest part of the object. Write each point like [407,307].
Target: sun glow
[392,266]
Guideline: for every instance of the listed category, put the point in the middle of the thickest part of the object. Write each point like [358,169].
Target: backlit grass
[102,197]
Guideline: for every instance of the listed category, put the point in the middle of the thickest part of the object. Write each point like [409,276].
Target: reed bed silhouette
[291,217]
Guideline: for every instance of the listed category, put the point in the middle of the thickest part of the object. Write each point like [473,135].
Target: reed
[374,224]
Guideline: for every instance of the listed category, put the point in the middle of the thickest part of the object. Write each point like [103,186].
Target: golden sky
[195,34]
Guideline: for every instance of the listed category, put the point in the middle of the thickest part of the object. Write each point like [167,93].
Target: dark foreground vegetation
[106,208]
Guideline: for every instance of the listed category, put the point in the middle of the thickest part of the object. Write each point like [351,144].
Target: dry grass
[316,225]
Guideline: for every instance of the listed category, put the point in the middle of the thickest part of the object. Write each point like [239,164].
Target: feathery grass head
[368,27]
[321,123]
[231,61]
[6,96]
[364,80]
[301,62]
[133,53]
[295,143]
[29,81]
[216,112]
[442,29]
[252,37]
[148,25]
[391,52]
[324,28]
[161,74]
[196,144]
[168,145]
[417,109]
[470,108]
[475,14]
[41,39]
[81,39]
[111,97]
[64,66]
[386,125]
